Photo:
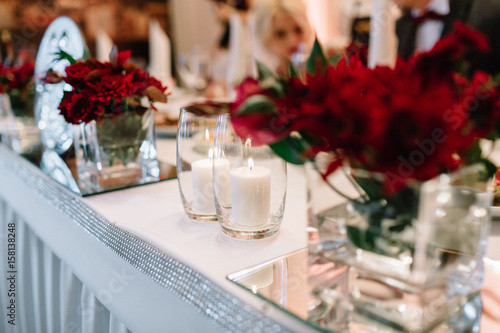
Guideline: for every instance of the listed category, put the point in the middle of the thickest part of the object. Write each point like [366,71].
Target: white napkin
[383,40]
[240,55]
[103,46]
[159,54]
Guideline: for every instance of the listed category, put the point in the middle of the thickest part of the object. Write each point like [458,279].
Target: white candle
[203,191]
[250,195]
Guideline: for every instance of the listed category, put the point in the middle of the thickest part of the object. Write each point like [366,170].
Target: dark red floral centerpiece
[16,80]
[421,116]
[398,133]
[112,102]
[106,89]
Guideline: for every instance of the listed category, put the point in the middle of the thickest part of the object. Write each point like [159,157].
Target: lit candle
[203,191]
[250,195]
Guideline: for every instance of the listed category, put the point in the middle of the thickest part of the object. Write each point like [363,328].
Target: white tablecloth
[154,213]
[142,303]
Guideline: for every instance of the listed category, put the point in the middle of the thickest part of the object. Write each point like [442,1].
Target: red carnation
[76,74]
[106,88]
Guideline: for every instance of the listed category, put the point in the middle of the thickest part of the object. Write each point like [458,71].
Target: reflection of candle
[203,193]
[208,137]
[260,278]
[250,195]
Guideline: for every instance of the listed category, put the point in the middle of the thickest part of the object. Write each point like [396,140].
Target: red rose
[76,74]
[77,108]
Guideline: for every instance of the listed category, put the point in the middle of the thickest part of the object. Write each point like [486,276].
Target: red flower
[78,108]
[51,77]
[480,102]
[17,77]
[118,59]
[471,38]
[76,73]
[245,89]
[410,122]
[107,88]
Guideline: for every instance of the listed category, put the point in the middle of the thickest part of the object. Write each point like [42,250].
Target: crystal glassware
[195,143]
[249,185]
[414,253]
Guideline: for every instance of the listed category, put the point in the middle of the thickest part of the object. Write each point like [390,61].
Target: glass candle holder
[249,185]
[195,143]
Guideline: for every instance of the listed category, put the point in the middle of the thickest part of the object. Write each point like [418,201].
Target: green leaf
[257,104]
[491,168]
[293,72]
[312,139]
[317,58]
[291,149]
[64,55]
[86,53]
[273,86]
[372,187]
[335,59]
[473,154]
[263,71]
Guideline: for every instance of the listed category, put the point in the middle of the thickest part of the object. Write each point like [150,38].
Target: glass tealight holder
[249,185]
[195,143]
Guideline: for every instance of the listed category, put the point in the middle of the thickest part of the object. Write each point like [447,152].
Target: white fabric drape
[240,64]
[383,40]
[103,45]
[49,297]
[159,53]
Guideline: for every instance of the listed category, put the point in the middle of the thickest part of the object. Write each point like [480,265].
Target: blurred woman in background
[282,30]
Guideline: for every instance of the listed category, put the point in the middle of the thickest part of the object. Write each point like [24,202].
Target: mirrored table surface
[315,290]
[24,139]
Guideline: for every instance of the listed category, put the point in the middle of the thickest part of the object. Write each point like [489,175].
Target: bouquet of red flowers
[17,82]
[118,96]
[415,121]
[394,128]
[106,89]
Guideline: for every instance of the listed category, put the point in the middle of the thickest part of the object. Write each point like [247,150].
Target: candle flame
[248,143]
[207,135]
[250,163]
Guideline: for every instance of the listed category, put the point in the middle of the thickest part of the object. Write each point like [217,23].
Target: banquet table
[130,260]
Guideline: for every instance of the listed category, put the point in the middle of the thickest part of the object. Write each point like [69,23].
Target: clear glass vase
[249,185]
[195,143]
[414,253]
[116,152]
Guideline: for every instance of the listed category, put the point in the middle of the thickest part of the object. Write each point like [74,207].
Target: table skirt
[47,295]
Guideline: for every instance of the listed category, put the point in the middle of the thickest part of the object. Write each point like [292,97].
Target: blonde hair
[265,10]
